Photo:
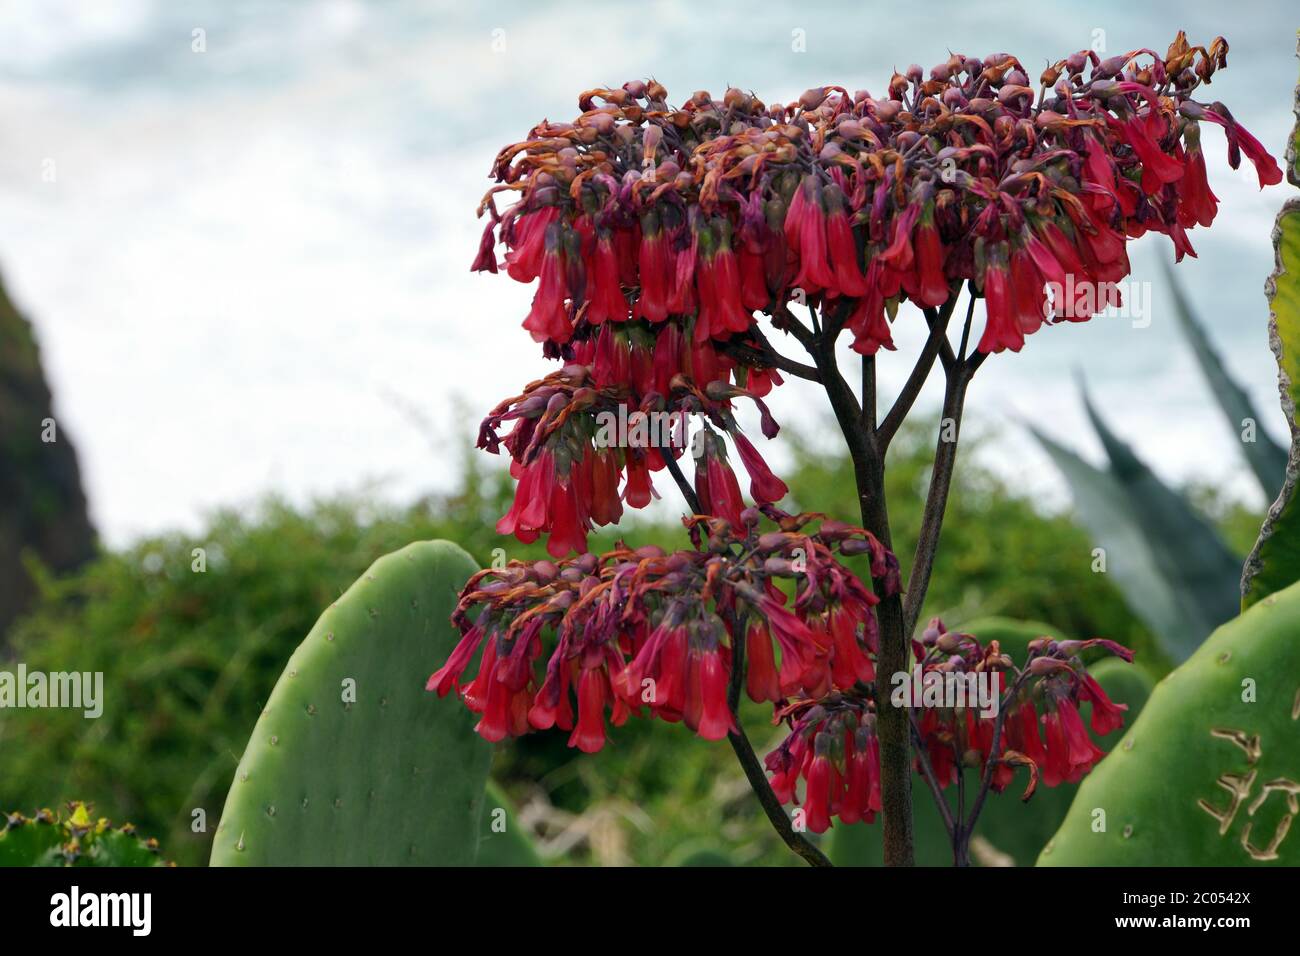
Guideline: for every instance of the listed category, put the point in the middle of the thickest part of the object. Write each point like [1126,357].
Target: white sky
[250,272]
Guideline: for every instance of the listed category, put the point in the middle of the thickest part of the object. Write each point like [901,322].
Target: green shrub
[190,658]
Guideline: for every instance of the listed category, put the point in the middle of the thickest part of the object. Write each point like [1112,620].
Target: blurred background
[234,243]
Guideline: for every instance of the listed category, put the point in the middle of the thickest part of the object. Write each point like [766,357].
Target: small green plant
[73,838]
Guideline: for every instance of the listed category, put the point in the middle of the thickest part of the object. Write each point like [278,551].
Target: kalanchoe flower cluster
[570,461]
[645,630]
[832,745]
[656,233]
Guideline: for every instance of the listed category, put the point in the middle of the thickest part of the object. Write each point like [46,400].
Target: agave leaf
[1189,553]
[1105,509]
[1267,459]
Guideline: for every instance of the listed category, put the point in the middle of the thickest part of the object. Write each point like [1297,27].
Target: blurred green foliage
[190,658]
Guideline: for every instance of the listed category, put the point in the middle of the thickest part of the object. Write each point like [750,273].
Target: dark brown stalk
[945,458]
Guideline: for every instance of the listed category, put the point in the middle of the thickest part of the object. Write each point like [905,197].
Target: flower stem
[754,772]
[892,723]
[936,502]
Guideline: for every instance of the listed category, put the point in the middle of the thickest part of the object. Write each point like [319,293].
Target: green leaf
[1189,552]
[1108,511]
[1267,459]
[352,762]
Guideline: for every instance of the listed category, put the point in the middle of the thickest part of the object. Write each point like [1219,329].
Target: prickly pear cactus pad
[1209,774]
[73,839]
[352,762]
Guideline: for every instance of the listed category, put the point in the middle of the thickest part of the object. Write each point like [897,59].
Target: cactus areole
[657,235]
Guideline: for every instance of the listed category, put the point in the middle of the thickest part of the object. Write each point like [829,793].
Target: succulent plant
[73,838]
[1209,774]
[351,762]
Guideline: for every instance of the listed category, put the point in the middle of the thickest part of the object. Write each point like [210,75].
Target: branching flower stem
[867,444]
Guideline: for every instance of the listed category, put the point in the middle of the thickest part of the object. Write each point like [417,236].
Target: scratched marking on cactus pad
[1239,787]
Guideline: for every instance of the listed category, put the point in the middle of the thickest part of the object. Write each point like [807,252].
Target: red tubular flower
[1028,303]
[795,640]
[1070,752]
[606,508]
[638,491]
[593,693]
[607,300]
[524,259]
[937,736]
[567,531]
[849,662]
[1099,173]
[1107,716]
[1022,733]
[761,681]
[1197,204]
[710,676]
[927,286]
[763,485]
[805,232]
[503,710]
[447,677]
[727,288]
[1001,329]
[753,280]
[785,764]
[548,320]
[653,261]
[867,323]
[1072,274]
[718,491]
[527,515]
[551,706]
[760,381]
[1239,139]
[817,795]
[899,256]
[843,248]
[667,357]
[486,259]
[1143,133]
[681,299]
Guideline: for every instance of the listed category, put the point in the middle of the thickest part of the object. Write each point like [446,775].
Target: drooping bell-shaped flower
[653,270]
[607,301]
[1197,204]
[548,320]
[805,233]
[1001,329]
[763,485]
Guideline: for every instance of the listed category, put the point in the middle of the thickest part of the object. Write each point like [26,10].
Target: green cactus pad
[1008,832]
[502,840]
[73,839]
[391,775]
[1205,776]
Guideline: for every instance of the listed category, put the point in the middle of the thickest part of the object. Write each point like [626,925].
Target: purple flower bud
[779,567]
